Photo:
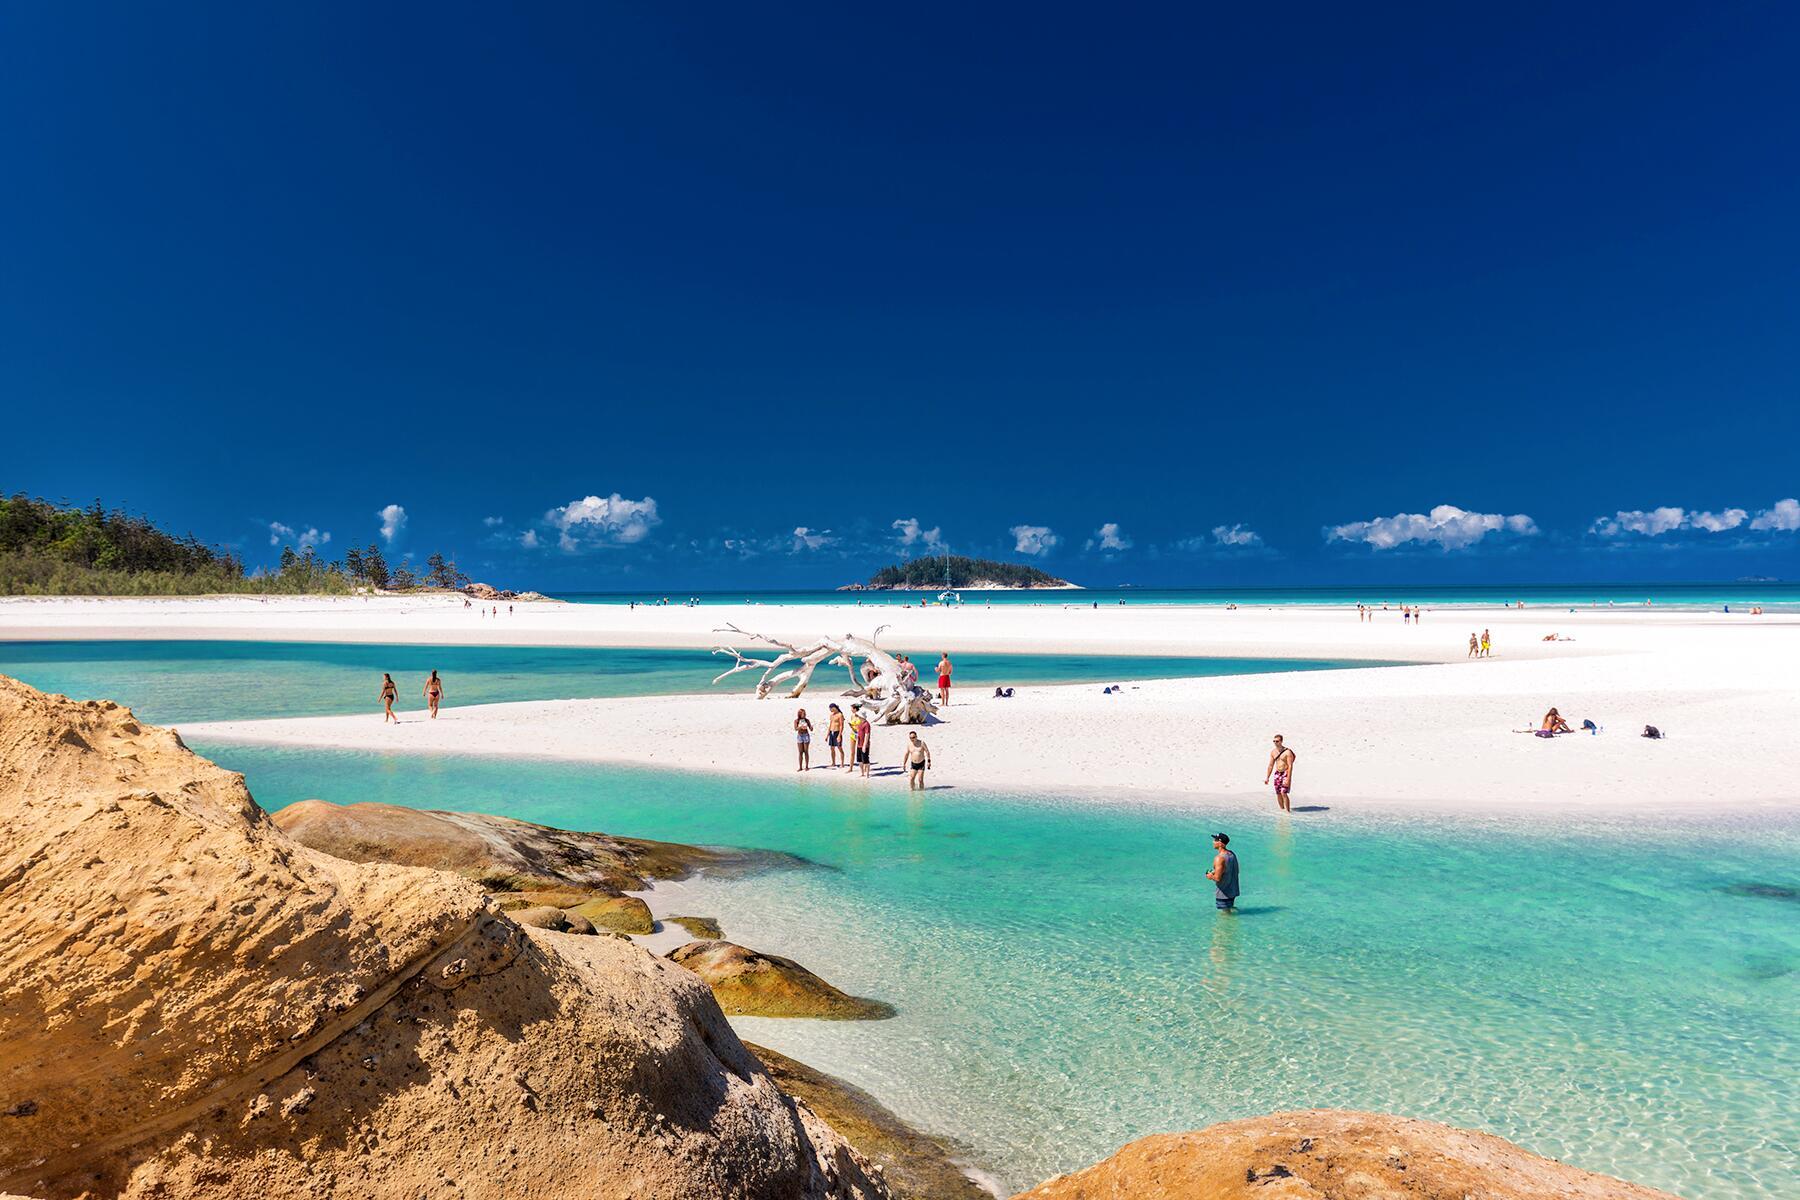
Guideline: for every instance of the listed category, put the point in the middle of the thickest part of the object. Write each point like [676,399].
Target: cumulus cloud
[1033,539]
[529,539]
[1235,535]
[393,520]
[1446,525]
[493,522]
[1109,538]
[911,533]
[1668,519]
[303,538]
[1784,516]
[1718,522]
[811,539]
[602,521]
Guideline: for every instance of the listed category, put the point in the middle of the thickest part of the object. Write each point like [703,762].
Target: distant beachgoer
[1281,773]
[1474,645]
[834,736]
[434,692]
[863,728]
[1224,874]
[389,694]
[1405,615]
[918,758]
[944,678]
[803,740]
[909,672]
[1487,645]
[1554,723]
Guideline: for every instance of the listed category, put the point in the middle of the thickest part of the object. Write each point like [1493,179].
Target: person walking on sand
[434,692]
[389,694]
[863,729]
[1474,646]
[834,736]
[944,679]
[918,759]
[1281,773]
[1224,874]
[1487,645]
[803,740]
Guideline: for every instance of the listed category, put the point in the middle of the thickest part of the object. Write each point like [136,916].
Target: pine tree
[288,558]
[375,566]
[353,562]
[440,573]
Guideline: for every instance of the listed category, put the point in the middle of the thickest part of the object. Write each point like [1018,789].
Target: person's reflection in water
[1224,943]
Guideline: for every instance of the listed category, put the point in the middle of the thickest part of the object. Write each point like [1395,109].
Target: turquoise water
[1621,998]
[1773,595]
[171,681]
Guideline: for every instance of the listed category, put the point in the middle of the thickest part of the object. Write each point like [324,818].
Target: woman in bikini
[389,694]
[434,691]
[803,740]
[834,736]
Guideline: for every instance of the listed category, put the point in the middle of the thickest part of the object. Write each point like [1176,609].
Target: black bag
[1651,731]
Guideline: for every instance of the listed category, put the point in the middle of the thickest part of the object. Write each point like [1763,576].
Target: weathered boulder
[707,929]
[621,914]
[1331,1154]
[191,1003]
[765,985]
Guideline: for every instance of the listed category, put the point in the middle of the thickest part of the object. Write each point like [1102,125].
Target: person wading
[1224,874]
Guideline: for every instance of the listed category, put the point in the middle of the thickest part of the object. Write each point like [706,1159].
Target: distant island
[927,574]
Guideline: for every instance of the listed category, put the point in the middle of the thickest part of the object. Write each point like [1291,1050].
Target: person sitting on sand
[944,679]
[918,758]
[434,692]
[389,694]
[834,736]
[1281,774]
[803,740]
[1554,723]
[1224,874]
[863,728]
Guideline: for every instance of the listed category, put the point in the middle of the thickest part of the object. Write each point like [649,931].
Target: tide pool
[171,681]
[1617,996]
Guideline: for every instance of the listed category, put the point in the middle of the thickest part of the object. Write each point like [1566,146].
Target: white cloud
[1033,539]
[493,522]
[1236,535]
[603,521]
[1784,516]
[1446,525]
[393,520]
[303,538]
[1718,522]
[811,539]
[910,533]
[1667,519]
[529,539]
[1109,538]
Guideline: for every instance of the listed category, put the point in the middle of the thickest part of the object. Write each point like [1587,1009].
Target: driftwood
[879,689]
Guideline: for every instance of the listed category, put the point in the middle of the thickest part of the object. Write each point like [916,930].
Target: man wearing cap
[1224,874]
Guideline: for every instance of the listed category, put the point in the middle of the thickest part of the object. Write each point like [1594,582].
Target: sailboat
[949,595]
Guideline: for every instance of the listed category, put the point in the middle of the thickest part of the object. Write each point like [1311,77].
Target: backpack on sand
[1651,731]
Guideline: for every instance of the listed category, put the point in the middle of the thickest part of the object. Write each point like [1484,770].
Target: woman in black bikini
[389,694]
[434,691]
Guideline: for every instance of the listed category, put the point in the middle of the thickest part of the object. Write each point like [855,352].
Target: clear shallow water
[1597,994]
[1785,596]
[170,681]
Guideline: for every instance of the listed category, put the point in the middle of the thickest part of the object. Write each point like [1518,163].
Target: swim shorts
[834,738]
[1224,903]
[1281,781]
[943,681]
[862,756]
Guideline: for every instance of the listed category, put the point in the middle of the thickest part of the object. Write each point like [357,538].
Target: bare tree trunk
[878,690]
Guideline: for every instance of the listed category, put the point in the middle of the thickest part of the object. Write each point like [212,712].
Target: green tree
[353,563]
[288,558]
[375,566]
[404,579]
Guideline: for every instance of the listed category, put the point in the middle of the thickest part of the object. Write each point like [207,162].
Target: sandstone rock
[541,916]
[764,985]
[1329,1153]
[577,923]
[707,929]
[621,914]
[193,1004]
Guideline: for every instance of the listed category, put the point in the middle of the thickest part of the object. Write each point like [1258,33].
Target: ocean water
[1741,595]
[172,681]
[1620,997]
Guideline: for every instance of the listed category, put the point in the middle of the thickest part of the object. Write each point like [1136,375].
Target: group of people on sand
[1481,646]
[1410,614]
[390,692]
[859,732]
[909,675]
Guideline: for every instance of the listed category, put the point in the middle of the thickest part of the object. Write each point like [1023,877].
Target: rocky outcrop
[192,1003]
[764,985]
[706,929]
[1328,1154]
[520,865]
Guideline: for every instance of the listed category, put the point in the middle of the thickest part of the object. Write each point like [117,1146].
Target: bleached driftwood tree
[879,689]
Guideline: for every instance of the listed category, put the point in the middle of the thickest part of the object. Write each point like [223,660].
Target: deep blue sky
[1278,268]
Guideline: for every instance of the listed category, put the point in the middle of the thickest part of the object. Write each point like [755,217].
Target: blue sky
[650,295]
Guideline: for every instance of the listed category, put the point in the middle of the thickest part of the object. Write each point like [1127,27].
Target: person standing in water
[944,678]
[918,758]
[434,692]
[834,736]
[803,740]
[389,694]
[1281,773]
[1224,874]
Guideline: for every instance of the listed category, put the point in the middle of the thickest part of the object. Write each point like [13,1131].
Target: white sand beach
[1437,733]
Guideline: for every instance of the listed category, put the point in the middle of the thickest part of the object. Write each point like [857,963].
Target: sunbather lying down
[1555,637]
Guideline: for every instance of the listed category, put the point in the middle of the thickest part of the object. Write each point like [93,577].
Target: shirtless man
[944,679]
[1281,773]
[918,757]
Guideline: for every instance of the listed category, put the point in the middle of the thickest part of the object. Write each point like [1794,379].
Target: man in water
[1281,774]
[1224,874]
[918,757]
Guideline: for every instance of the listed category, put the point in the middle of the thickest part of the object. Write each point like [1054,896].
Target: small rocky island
[928,574]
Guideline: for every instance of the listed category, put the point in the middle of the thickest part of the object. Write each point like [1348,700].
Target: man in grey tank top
[1224,874]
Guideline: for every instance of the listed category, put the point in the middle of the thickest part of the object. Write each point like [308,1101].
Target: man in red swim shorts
[1281,773]
[944,678]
